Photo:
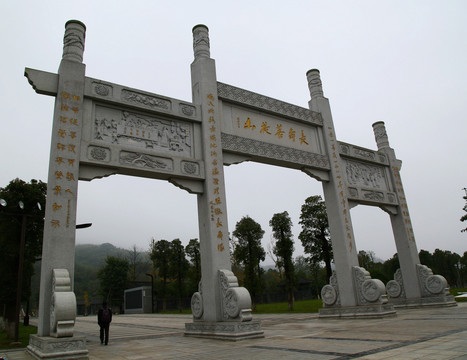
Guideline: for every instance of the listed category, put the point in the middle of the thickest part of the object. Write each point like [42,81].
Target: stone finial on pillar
[201,41]
[381,136]
[73,41]
[314,83]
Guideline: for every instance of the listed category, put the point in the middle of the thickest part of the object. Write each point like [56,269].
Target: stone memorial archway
[101,128]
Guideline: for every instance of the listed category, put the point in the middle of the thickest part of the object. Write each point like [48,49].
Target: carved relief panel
[368,183]
[142,132]
[365,175]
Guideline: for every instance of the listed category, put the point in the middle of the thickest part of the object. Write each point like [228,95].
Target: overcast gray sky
[401,62]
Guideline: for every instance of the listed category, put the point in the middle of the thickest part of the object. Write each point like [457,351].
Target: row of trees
[265,285]
[172,267]
[178,276]
[248,251]
[178,269]
[19,208]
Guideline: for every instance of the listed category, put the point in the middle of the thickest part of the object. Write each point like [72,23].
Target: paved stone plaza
[431,333]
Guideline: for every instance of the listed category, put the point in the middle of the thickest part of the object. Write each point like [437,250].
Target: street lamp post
[458,266]
[19,289]
[152,292]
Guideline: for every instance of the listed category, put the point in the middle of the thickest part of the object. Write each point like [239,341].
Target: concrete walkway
[430,333]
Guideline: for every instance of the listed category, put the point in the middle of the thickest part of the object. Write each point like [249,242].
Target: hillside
[94,255]
[88,260]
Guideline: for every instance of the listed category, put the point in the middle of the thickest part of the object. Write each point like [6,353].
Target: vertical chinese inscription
[65,175]
[335,165]
[403,203]
[216,206]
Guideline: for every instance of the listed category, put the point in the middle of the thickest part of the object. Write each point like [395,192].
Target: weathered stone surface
[226,330]
[44,347]
[434,288]
[361,311]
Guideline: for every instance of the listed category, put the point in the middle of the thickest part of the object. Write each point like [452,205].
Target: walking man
[104,318]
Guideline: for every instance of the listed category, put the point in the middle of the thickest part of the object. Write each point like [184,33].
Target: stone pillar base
[432,301]
[46,347]
[360,311]
[225,330]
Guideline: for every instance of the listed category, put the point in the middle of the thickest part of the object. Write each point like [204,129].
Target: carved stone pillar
[401,222]
[221,309]
[343,297]
[56,307]
[408,288]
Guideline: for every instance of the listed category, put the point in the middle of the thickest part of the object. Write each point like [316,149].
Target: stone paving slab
[429,333]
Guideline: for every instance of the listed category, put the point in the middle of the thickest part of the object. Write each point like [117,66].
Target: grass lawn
[24,332]
[459,291]
[303,306]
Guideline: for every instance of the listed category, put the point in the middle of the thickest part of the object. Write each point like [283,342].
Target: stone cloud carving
[63,308]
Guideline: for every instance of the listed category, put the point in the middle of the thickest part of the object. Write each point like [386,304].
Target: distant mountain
[90,258]
[94,255]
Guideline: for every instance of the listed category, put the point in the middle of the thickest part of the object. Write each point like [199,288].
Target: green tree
[445,263]
[366,259]
[192,250]
[178,267]
[426,258]
[462,268]
[271,281]
[89,259]
[312,276]
[249,252]
[282,232]
[315,235]
[390,266]
[302,268]
[113,278]
[377,269]
[159,253]
[135,261]
[12,218]
[464,217]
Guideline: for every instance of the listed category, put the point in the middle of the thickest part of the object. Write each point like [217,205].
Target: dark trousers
[104,331]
